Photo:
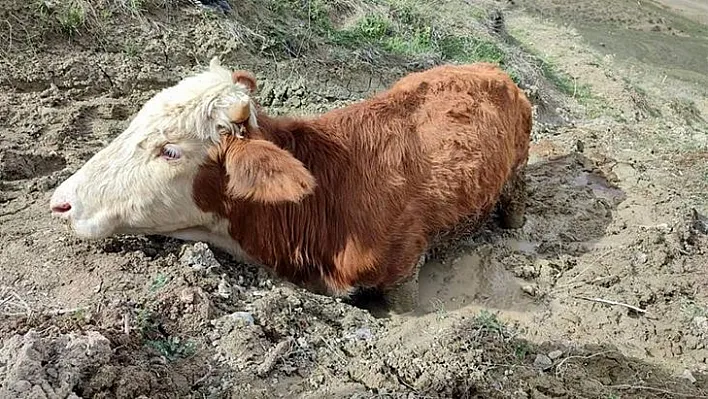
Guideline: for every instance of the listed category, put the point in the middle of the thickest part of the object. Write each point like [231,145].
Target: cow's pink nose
[61,208]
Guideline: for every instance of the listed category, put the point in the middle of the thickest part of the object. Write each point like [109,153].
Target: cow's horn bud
[239,112]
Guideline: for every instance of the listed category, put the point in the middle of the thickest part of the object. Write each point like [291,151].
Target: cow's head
[143,181]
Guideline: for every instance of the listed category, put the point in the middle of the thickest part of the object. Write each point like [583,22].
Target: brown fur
[354,196]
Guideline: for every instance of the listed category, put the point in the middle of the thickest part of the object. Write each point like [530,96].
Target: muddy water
[473,281]
[477,279]
[600,187]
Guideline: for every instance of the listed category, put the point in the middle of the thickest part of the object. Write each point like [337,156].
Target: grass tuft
[409,34]
[172,348]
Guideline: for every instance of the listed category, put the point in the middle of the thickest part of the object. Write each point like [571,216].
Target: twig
[645,388]
[575,85]
[59,312]
[17,303]
[204,377]
[126,324]
[562,362]
[271,357]
[331,349]
[609,302]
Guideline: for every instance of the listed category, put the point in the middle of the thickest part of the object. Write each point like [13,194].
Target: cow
[350,199]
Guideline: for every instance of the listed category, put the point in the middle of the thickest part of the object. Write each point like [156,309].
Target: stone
[542,362]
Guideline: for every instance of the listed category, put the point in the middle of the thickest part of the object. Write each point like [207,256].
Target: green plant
[173,348]
[136,5]
[521,350]
[159,282]
[131,49]
[489,321]
[71,18]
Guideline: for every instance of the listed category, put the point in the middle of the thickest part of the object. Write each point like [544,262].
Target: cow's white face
[142,182]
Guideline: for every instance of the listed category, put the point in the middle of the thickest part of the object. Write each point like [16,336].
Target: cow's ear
[245,78]
[258,170]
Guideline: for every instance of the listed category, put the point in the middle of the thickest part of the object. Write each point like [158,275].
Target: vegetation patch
[69,17]
[407,33]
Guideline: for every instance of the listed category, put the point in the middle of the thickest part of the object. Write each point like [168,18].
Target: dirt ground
[602,294]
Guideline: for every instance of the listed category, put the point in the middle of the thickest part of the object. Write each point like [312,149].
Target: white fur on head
[199,105]
[129,187]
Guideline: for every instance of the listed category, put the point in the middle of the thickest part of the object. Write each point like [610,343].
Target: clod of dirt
[37,367]
[273,355]
[199,257]
[19,166]
[689,376]
[700,222]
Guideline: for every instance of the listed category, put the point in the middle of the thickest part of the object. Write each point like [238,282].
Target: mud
[617,186]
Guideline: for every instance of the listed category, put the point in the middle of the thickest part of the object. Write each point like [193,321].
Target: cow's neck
[216,234]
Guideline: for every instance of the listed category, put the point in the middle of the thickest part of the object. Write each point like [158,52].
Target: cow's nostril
[61,208]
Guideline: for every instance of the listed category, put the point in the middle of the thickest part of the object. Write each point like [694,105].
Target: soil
[602,294]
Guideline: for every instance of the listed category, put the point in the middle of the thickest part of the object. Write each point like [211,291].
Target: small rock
[700,222]
[224,288]
[641,258]
[579,146]
[529,289]
[689,376]
[363,333]
[187,296]
[302,342]
[243,316]
[542,362]
[199,257]
[701,322]
[22,386]
[555,354]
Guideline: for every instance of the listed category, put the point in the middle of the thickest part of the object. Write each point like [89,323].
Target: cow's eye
[170,152]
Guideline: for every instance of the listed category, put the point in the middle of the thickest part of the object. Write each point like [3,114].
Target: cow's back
[474,125]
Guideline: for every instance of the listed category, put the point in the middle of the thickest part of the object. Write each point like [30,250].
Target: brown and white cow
[347,199]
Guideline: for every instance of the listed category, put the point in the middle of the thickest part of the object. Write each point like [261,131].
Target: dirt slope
[617,182]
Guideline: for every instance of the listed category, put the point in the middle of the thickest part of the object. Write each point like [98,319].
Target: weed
[44,8]
[136,5]
[439,307]
[71,18]
[159,282]
[408,33]
[563,82]
[374,27]
[145,322]
[173,348]
[131,49]
[470,49]
[315,12]
[691,310]
[521,350]
[489,321]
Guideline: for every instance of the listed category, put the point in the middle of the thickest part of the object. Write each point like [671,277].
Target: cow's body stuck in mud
[348,199]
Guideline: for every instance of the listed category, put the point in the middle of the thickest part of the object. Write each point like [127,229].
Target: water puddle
[600,187]
[471,280]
